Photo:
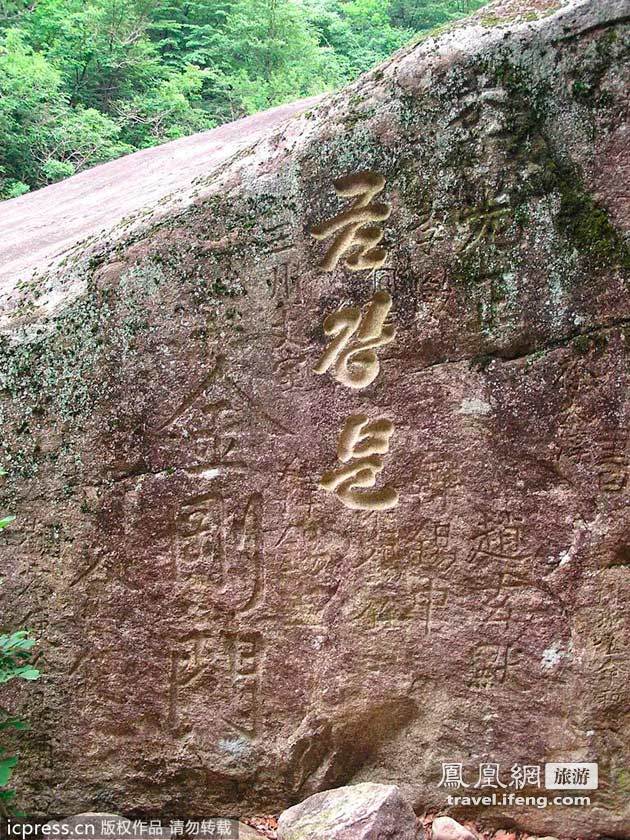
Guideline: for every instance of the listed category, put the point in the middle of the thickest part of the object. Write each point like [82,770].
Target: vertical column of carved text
[218,557]
[355,335]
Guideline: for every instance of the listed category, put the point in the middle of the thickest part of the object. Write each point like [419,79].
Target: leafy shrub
[15,653]
[15,663]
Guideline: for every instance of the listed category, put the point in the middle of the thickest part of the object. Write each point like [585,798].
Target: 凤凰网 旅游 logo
[489,783]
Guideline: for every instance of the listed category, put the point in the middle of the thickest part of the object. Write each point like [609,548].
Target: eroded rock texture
[365,811]
[222,635]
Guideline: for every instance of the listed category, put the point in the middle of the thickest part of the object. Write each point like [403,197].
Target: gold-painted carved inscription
[361,444]
[355,337]
[354,229]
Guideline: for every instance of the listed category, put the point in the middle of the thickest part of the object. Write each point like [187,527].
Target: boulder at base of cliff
[356,812]
[446,828]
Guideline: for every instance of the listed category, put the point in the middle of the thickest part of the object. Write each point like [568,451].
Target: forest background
[85,81]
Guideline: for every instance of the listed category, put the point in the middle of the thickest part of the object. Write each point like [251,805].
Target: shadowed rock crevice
[324,755]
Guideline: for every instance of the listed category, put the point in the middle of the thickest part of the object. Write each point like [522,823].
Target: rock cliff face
[321,475]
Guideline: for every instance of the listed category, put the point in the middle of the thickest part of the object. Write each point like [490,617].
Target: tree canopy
[84,81]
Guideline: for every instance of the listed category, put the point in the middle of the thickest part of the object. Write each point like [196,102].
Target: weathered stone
[357,812]
[446,828]
[246,832]
[219,633]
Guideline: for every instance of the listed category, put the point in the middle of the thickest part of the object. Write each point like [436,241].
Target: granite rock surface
[321,474]
[365,811]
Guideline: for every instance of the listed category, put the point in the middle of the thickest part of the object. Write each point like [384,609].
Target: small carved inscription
[278,237]
[500,534]
[492,665]
[285,281]
[611,461]
[486,223]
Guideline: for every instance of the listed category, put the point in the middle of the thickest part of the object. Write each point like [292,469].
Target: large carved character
[225,548]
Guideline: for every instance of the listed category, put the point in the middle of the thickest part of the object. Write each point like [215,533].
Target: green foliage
[14,189]
[360,33]
[84,81]
[42,136]
[426,15]
[270,54]
[167,112]
[15,654]
[15,663]
[6,768]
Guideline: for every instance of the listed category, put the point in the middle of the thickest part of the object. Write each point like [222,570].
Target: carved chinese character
[222,548]
[365,441]
[355,337]
[493,664]
[612,463]
[352,226]
[501,535]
